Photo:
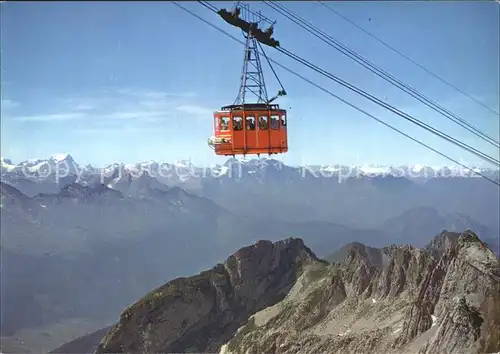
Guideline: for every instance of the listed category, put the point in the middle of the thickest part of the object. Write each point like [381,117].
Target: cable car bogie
[233,18]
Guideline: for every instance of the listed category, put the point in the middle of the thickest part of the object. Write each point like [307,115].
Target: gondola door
[238,132]
[283,132]
[250,131]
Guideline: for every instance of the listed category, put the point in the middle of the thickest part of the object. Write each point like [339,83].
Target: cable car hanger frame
[235,126]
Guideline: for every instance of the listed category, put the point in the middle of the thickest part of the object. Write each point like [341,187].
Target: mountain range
[85,245]
[64,164]
[347,195]
[280,298]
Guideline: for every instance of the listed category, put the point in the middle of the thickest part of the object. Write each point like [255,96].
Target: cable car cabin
[250,129]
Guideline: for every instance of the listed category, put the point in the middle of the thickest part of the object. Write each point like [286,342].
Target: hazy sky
[131,81]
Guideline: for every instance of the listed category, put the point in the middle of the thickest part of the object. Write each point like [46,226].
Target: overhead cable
[332,42]
[407,58]
[341,99]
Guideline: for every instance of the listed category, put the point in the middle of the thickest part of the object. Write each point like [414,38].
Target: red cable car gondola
[251,128]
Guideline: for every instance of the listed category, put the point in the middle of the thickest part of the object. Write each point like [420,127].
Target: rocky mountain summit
[200,313]
[280,298]
[398,299]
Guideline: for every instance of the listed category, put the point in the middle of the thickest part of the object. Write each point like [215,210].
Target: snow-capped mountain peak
[417,167]
[6,164]
[375,170]
[58,158]
[178,172]
[6,161]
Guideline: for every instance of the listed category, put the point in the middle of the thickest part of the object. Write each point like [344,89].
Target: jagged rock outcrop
[399,299]
[470,284]
[279,298]
[200,313]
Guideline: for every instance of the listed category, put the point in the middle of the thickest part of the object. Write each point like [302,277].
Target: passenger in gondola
[275,123]
[224,124]
[238,123]
[263,123]
[250,123]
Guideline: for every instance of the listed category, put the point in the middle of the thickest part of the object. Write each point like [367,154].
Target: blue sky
[132,81]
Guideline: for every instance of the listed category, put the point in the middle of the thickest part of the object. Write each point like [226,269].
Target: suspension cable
[406,57]
[209,6]
[380,72]
[344,101]
[391,108]
[214,9]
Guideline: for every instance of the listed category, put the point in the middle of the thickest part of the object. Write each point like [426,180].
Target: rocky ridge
[399,300]
[200,313]
[280,298]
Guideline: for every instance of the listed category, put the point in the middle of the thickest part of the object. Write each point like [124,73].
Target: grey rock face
[279,298]
[399,299]
[200,313]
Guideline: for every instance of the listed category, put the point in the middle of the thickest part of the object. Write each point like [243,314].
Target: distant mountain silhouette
[89,247]
[91,250]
